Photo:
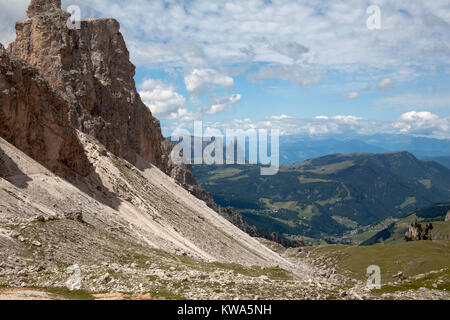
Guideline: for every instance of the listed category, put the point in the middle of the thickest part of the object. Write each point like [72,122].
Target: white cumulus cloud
[294,73]
[222,104]
[199,80]
[418,116]
[386,84]
[415,123]
[349,118]
[352,95]
[163,100]
[332,34]
[280,117]
[423,123]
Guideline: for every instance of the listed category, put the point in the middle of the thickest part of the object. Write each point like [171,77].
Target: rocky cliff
[90,67]
[33,118]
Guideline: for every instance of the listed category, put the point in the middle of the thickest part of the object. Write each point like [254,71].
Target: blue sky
[301,66]
[324,98]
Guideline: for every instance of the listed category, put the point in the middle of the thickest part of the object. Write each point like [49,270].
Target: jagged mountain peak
[91,69]
[38,7]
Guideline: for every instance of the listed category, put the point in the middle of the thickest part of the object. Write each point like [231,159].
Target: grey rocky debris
[36,243]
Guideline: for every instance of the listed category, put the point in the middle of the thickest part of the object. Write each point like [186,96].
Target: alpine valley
[341,198]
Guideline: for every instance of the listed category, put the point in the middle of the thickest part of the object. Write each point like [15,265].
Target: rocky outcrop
[412,233]
[33,118]
[38,6]
[92,70]
[418,232]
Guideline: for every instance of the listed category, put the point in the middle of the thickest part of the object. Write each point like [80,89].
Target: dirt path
[25,294]
[41,294]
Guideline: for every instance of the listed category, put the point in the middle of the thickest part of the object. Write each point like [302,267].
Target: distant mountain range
[445,161]
[328,196]
[295,148]
[301,147]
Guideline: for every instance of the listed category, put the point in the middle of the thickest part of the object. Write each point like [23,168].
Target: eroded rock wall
[33,118]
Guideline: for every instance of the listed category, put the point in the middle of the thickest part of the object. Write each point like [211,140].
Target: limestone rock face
[91,68]
[412,233]
[33,117]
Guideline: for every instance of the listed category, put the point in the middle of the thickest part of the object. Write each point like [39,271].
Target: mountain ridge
[294,148]
[339,190]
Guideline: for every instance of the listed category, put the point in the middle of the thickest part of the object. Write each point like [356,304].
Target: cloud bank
[163,100]
[417,123]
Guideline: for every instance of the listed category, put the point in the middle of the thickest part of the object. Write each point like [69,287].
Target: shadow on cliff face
[93,186]
[11,172]
[90,184]
[34,119]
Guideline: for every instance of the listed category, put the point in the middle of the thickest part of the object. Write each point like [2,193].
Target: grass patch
[329,201]
[415,284]
[346,221]
[441,230]
[290,205]
[411,258]
[224,173]
[304,180]
[65,293]
[308,211]
[408,201]
[152,278]
[332,168]
[426,183]
[238,177]
[255,271]
[166,295]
